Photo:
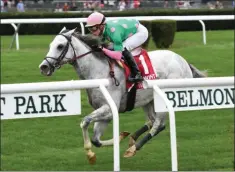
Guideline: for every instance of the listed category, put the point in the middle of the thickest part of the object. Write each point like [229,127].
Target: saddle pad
[145,66]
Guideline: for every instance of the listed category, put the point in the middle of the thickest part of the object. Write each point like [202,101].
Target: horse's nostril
[43,67]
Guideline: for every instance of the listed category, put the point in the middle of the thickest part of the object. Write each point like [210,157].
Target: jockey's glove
[96,48]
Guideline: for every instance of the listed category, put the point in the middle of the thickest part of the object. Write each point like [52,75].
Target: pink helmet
[95,18]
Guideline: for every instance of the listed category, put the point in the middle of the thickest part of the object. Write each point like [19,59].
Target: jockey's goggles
[93,28]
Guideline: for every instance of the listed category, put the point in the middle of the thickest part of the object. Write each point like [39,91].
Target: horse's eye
[60,47]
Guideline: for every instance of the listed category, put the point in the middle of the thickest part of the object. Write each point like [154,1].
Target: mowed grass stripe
[205,138]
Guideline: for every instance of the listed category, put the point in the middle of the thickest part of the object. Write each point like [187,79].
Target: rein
[75,58]
[58,60]
[111,72]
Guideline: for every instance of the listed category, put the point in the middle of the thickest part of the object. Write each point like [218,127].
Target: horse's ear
[64,28]
[69,33]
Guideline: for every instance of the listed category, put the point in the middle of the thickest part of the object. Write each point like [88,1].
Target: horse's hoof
[124,134]
[130,152]
[91,157]
[131,142]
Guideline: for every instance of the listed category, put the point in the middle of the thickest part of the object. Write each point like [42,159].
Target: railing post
[15,36]
[203,31]
[82,28]
[116,147]
[174,161]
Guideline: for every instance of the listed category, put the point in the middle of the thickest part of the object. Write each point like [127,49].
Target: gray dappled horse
[71,47]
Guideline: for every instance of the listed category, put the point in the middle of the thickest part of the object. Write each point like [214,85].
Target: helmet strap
[101,30]
[103,20]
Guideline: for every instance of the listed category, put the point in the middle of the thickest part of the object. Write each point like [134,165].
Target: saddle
[145,66]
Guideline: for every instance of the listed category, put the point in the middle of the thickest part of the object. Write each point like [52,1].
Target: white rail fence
[23,101]
[169,95]
[214,93]
[17,22]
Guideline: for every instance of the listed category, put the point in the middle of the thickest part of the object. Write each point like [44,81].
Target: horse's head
[61,51]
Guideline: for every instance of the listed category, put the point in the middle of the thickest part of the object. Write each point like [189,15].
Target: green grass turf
[205,139]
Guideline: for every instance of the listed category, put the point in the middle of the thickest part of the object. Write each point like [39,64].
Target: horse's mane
[89,39]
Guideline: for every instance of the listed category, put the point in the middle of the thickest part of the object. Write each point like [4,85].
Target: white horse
[73,48]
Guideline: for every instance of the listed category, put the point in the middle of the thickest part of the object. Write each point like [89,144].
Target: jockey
[125,35]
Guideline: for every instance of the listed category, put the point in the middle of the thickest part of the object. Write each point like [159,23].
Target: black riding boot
[135,73]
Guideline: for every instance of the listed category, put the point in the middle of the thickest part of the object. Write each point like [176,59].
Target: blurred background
[109,5]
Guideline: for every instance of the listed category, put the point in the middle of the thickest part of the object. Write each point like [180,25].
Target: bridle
[71,61]
[58,60]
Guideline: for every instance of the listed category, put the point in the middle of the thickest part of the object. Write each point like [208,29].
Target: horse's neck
[89,66]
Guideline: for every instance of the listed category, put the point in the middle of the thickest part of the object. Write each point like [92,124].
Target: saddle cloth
[145,67]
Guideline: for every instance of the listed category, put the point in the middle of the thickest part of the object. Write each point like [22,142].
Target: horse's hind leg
[143,129]
[158,126]
[99,128]
[139,132]
[148,125]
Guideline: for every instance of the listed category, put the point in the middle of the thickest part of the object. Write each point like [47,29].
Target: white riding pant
[136,40]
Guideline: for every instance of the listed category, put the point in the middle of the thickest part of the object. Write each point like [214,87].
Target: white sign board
[196,98]
[41,104]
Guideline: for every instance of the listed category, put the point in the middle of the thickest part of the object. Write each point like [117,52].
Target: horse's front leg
[99,128]
[101,114]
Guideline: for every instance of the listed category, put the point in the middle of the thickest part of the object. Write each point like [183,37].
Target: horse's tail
[197,73]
